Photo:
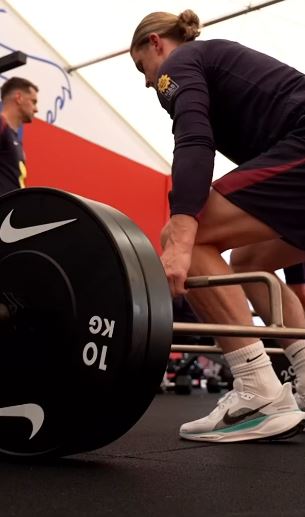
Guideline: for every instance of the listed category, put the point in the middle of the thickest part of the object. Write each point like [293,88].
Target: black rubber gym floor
[151,472]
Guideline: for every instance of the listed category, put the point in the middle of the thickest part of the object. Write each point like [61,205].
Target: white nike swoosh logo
[10,234]
[32,412]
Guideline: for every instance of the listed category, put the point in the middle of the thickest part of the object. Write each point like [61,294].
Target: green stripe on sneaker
[244,425]
[249,423]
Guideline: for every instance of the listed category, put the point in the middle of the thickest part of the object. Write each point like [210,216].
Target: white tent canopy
[81,32]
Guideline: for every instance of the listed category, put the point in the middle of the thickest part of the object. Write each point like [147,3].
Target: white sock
[295,353]
[252,366]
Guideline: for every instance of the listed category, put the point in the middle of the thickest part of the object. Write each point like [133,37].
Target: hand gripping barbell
[86,322]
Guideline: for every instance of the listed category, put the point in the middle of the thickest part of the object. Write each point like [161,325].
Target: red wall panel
[59,159]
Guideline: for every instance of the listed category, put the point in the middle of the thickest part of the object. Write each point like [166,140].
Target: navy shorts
[271,186]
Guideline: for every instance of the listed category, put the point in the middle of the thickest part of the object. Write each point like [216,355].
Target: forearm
[178,240]
[181,232]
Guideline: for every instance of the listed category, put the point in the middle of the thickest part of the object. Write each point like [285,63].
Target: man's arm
[178,238]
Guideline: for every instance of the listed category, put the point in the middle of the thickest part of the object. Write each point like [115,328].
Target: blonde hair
[181,28]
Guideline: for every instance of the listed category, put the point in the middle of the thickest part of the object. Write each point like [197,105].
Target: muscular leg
[214,304]
[295,279]
[299,290]
[223,226]
[270,256]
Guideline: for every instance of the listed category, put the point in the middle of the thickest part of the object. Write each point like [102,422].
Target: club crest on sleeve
[166,86]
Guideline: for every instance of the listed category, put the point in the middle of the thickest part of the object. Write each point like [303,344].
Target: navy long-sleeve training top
[223,96]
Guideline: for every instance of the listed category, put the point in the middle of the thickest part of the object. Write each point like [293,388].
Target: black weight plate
[129,398]
[160,324]
[79,304]
[159,298]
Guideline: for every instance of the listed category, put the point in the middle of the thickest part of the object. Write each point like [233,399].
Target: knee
[250,258]
[211,238]
[242,261]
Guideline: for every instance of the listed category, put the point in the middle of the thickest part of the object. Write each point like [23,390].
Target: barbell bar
[212,329]
[214,349]
[86,322]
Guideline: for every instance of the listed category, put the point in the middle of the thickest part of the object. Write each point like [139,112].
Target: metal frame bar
[276,328]
[214,329]
[247,10]
[214,349]
[273,285]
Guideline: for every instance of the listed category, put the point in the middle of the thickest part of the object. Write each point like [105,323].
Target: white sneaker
[240,416]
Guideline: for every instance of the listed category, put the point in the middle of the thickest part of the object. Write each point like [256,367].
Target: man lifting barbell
[249,106]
